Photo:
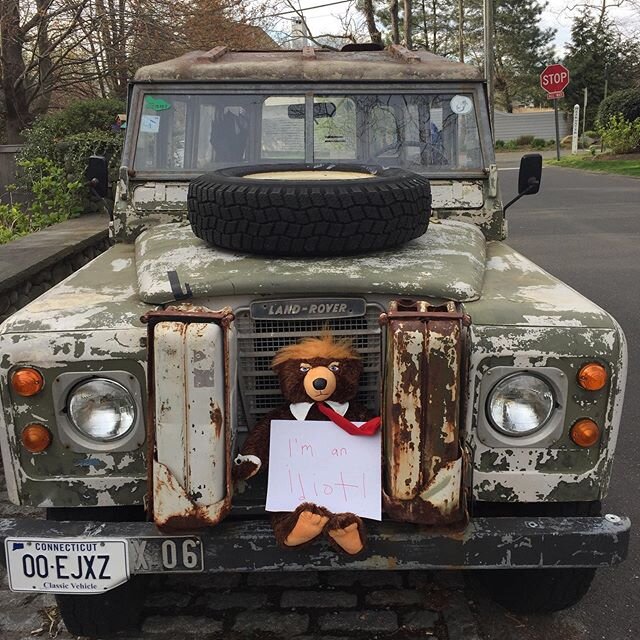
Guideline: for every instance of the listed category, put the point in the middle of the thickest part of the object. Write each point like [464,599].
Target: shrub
[511,145]
[54,200]
[499,144]
[538,143]
[620,135]
[67,138]
[625,102]
[524,141]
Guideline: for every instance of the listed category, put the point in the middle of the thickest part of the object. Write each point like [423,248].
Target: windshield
[426,132]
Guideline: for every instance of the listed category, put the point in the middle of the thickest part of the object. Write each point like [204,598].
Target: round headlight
[520,404]
[101,409]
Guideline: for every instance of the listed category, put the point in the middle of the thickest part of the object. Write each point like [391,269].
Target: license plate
[66,565]
[160,554]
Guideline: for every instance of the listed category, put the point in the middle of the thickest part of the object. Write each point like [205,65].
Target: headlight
[520,404]
[101,409]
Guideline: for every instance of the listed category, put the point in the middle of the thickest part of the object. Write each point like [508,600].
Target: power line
[318,6]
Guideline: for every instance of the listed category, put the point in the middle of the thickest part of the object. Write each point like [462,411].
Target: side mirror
[97,175]
[529,177]
[530,174]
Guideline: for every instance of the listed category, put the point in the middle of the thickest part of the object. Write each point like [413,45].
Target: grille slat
[259,340]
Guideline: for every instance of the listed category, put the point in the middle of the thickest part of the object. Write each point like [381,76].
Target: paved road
[583,228]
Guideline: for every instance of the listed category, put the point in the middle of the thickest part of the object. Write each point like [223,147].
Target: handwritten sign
[316,461]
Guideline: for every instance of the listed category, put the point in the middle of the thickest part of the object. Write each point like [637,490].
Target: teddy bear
[319,381]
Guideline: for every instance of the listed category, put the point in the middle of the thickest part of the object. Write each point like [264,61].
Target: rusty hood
[448,261]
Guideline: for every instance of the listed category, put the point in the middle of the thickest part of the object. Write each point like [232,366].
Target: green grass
[630,167]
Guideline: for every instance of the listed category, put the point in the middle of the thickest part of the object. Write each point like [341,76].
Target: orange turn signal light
[585,432]
[36,438]
[27,381]
[592,376]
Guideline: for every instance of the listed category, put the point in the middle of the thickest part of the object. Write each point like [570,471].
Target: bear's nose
[319,384]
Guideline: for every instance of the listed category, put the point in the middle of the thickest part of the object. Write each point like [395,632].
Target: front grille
[258,341]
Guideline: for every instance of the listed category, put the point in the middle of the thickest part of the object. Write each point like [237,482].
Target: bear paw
[347,532]
[245,467]
[308,526]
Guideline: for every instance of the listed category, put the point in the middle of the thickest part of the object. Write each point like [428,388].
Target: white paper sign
[150,124]
[316,461]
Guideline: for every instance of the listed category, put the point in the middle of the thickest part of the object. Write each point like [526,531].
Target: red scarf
[367,429]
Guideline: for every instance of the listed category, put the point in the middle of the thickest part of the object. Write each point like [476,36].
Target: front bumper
[249,545]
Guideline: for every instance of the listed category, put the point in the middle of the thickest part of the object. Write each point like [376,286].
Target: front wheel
[528,591]
[109,613]
[103,615]
[537,590]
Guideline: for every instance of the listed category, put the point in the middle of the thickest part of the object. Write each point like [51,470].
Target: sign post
[574,130]
[554,80]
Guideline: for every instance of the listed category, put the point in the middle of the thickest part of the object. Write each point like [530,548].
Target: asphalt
[585,228]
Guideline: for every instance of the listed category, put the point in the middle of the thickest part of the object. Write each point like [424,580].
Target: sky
[558,15]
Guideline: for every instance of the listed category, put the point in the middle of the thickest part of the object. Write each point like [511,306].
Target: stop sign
[554,78]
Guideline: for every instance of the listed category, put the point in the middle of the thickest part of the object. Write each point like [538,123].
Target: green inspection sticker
[156,104]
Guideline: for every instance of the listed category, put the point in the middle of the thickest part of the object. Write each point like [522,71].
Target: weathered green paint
[518,292]
[541,474]
[521,316]
[426,266]
[90,322]
[149,204]
[102,296]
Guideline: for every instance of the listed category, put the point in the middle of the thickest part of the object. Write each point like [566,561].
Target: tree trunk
[434,26]
[40,96]
[408,20]
[395,27]
[374,34]
[13,70]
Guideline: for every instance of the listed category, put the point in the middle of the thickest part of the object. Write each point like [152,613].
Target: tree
[522,48]
[598,51]
[455,29]
[370,18]
[35,42]
[435,26]
[92,47]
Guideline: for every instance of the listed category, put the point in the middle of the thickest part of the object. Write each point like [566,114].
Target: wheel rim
[309,174]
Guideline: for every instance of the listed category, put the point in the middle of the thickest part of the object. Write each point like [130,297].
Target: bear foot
[346,532]
[308,521]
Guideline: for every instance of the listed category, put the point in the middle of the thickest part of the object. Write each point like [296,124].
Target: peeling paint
[446,262]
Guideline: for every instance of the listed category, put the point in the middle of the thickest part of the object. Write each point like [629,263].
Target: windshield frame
[140,90]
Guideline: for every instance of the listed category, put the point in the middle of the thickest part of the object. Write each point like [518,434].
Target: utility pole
[488,55]
[461,30]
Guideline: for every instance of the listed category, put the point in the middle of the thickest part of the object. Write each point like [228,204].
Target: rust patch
[422,415]
[215,414]
[192,516]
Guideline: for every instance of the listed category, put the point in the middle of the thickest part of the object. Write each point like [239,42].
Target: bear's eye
[304,367]
[334,366]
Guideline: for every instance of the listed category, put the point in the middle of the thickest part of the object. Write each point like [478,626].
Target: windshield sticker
[156,104]
[461,105]
[150,124]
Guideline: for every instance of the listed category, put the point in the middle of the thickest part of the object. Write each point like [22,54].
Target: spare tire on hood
[309,210]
